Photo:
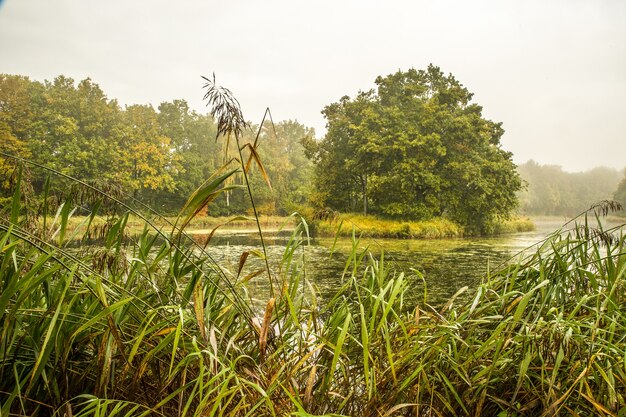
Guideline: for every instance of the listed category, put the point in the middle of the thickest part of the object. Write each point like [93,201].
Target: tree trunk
[365,195]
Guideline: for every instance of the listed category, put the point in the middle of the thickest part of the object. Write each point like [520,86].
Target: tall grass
[150,326]
[371,226]
[437,228]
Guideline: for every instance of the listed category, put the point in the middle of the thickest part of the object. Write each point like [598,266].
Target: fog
[553,72]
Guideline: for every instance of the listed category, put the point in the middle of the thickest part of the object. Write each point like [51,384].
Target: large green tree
[75,129]
[415,147]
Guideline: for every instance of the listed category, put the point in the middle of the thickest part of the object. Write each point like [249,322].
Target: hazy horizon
[554,74]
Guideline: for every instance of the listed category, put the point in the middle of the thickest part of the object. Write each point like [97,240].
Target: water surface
[440,266]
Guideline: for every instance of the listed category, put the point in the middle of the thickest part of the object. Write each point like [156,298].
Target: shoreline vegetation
[438,228]
[158,328]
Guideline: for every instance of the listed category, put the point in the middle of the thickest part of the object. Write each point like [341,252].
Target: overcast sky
[554,72]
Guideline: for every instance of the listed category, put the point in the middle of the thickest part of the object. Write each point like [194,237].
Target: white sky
[554,72]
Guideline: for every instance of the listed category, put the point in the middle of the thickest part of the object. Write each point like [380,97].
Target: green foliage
[192,139]
[16,117]
[415,148]
[552,191]
[158,156]
[287,166]
[146,162]
[620,193]
[152,325]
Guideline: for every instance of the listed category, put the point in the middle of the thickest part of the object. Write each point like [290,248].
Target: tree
[158,156]
[286,165]
[15,119]
[416,147]
[76,130]
[620,193]
[146,157]
[193,142]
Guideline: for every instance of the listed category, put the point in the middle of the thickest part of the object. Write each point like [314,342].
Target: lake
[446,264]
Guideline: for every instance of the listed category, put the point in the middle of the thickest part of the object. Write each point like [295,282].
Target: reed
[150,326]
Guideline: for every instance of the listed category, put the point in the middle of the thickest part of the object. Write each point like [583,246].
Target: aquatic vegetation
[343,224]
[436,228]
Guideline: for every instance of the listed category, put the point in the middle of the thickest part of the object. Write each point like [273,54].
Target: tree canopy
[157,155]
[415,147]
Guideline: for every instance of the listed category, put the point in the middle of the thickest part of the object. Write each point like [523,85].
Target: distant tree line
[159,156]
[552,191]
[620,193]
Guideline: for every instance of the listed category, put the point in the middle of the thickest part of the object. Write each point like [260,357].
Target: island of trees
[415,148]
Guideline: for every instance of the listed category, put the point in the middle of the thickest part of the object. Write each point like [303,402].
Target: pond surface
[446,264]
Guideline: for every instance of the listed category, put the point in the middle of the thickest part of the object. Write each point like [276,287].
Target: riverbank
[198,225]
[341,225]
[438,228]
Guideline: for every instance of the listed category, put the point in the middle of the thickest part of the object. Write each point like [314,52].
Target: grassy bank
[515,225]
[237,222]
[438,228]
[204,224]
